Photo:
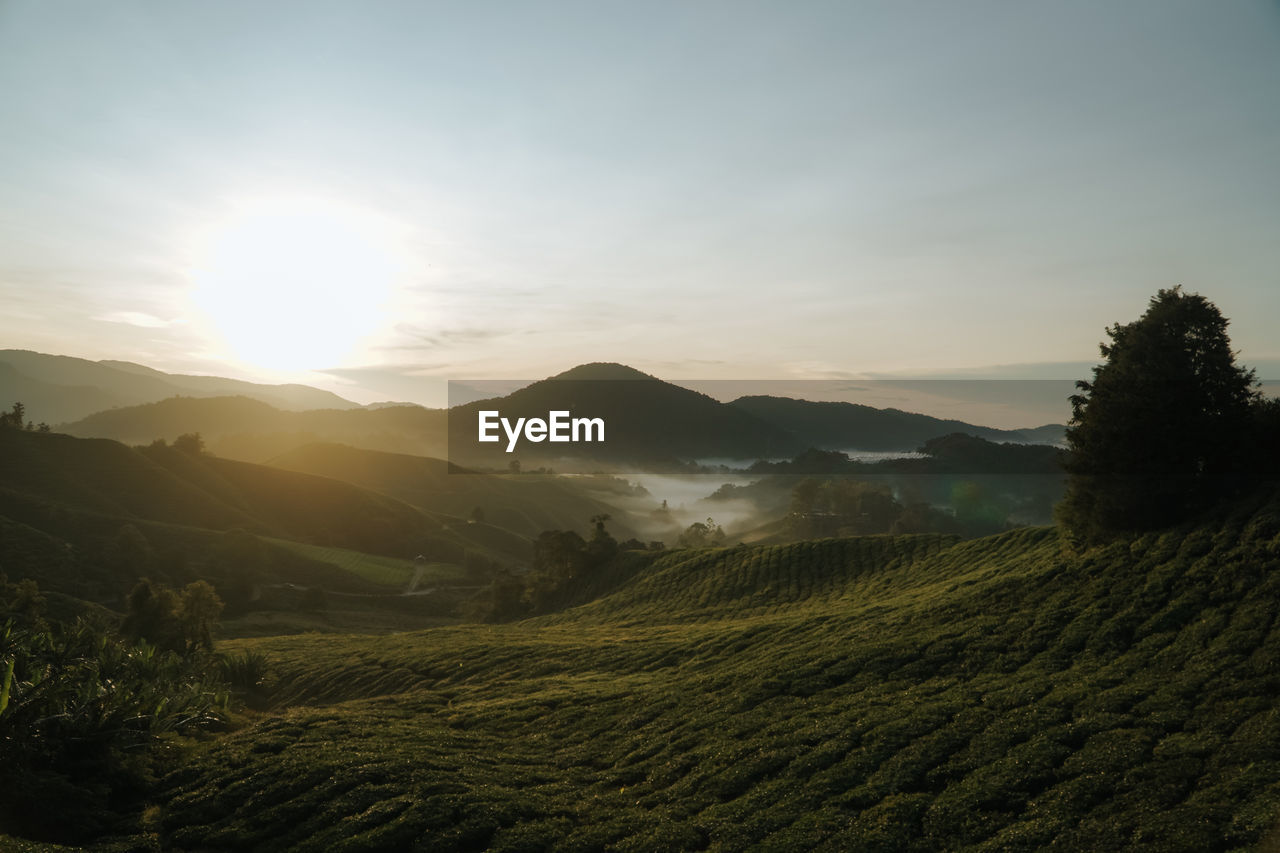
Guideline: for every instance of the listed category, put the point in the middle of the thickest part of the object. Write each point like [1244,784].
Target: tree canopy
[1163,427]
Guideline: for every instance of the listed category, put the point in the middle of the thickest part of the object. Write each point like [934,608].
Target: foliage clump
[174,620]
[81,713]
[1165,428]
[562,562]
[702,534]
[16,418]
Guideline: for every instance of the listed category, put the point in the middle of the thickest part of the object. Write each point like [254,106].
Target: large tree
[1161,429]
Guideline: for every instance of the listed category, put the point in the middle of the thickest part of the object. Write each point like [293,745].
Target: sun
[298,283]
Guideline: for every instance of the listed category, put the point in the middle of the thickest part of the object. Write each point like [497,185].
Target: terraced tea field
[912,693]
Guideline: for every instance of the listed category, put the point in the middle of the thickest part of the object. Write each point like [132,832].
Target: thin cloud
[135,318]
[441,338]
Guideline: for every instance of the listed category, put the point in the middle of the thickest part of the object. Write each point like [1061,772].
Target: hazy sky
[395,191]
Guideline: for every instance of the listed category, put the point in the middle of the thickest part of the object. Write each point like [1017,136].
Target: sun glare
[296,284]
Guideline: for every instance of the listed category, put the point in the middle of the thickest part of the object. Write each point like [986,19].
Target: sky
[378,197]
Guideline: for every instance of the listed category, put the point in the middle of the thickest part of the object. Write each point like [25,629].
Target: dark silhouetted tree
[1265,442]
[503,600]
[602,546]
[702,535]
[128,553]
[559,554]
[152,616]
[168,619]
[190,443]
[198,609]
[1162,429]
[16,417]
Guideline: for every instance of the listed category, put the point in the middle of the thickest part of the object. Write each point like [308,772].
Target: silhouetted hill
[646,421]
[526,504]
[957,453]
[108,478]
[50,402]
[59,388]
[649,422]
[604,371]
[60,492]
[253,431]
[851,426]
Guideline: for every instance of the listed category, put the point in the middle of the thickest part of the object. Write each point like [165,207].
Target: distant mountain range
[254,431]
[649,422]
[646,421]
[850,426]
[58,388]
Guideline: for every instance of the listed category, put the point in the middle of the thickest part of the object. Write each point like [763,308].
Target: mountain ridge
[54,386]
[650,422]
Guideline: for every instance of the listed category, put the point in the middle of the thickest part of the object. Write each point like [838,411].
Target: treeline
[563,563]
[16,418]
[955,453]
[847,507]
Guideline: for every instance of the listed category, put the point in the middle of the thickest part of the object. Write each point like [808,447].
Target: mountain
[59,388]
[646,421]
[50,402]
[851,426]
[253,431]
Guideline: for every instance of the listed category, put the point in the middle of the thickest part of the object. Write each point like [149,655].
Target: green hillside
[911,693]
[166,485]
[384,571]
[526,504]
[107,477]
[68,504]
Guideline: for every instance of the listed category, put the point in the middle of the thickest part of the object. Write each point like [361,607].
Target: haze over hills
[648,421]
[59,388]
[76,494]
[828,686]
[254,431]
[526,505]
[651,419]
[847,426]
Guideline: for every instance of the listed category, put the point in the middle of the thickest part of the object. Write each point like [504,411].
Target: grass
[386,571]
[881,693]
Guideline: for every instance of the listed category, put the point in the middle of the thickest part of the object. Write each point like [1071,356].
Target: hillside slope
[524,504]
[911,693]
[59,388]
[64,500]
[253,431]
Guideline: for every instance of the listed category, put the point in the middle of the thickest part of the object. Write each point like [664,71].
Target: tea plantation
[878,693]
